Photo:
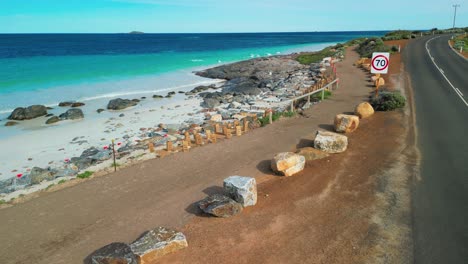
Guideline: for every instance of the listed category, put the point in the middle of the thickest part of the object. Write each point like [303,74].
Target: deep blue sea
[48,68]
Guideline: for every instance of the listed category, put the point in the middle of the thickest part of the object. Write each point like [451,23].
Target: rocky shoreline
[249,89]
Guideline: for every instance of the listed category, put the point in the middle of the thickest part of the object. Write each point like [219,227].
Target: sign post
[379,65]
[380,62]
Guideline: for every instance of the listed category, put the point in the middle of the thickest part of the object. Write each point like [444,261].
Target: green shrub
[371,45]
[318,96]
[85,175]
[50,186]
[388,101]
[315,56]
[2,202]
[394,48]
[62,181]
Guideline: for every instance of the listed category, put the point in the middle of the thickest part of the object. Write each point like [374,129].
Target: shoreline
[127,126]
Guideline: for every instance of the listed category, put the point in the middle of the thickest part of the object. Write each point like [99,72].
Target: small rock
[157,96]
[52,120]
[288,163]
[115,253]
[346,123]
[119,103]
[121,115]
[220,206]
[11,123]
[72,114]
[242,189]
[216,118]
[364,110]
[157,243]
[330,142]
[77,104]
[65,104]
[100,110]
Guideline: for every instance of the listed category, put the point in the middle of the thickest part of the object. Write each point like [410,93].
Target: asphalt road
[440,196]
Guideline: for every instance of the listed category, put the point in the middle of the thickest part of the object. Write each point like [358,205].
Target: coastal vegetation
[315,57]
[85,175]
[371,45]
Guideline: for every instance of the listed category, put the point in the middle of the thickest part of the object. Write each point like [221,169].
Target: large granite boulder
[29,112]
[346,123]
[72,114]
[119,104]
[39,175]
[312,154]
[364,110]
[330,142]
[287,163]
[210,103]
[157,243]
[242,189]
[115,253]
[220,206]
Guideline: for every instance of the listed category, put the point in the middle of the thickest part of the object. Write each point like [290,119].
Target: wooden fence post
[169,146]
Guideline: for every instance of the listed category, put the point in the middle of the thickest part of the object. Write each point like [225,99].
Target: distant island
[136,32]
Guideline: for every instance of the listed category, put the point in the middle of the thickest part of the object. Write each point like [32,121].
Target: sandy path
[67,225]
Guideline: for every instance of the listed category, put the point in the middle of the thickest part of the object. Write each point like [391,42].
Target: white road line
[457,91]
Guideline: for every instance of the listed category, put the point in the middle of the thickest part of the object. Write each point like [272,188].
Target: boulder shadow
[214,190]
[304,143]
[265,167]
[327,127]
[348,113]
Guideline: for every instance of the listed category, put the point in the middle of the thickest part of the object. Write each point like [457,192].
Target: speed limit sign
[380,62]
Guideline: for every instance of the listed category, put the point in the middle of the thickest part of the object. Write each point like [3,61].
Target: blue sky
[155,16]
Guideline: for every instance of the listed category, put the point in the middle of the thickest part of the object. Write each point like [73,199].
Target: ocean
[49,68]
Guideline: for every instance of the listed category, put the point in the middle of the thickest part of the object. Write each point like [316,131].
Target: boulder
[72,114]
[330,142]
[100,110]
[82,162]
[38,175]
[242,189]
[346,123]
[29,112]
[364,110]
[115,253]
[210,103]
[52,120]
[220,206]
[119,104]
[11,123]
[157,243]
[216,118]
[288,163]
[68,171]
[310,153]
[64,104]
[77,104]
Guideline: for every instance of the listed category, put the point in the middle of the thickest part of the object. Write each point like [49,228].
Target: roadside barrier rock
[346,123]
[157,243]
[242,189]
[287,163]
[364,110]
[220,206]
[330,142]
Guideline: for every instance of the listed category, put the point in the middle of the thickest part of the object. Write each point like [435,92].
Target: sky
[199,16]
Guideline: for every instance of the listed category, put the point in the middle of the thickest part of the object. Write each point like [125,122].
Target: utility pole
[455,14]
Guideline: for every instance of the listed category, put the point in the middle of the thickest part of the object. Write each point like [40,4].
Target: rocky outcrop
[119,104]
[39,175]
[29,112]
[242,189]
[90,157]
[72,114]
[201,88]
[220,206]
[115,253]
[310,153]
[157,243]
[287,163]
[346,123]
[364,110]
[330,142]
